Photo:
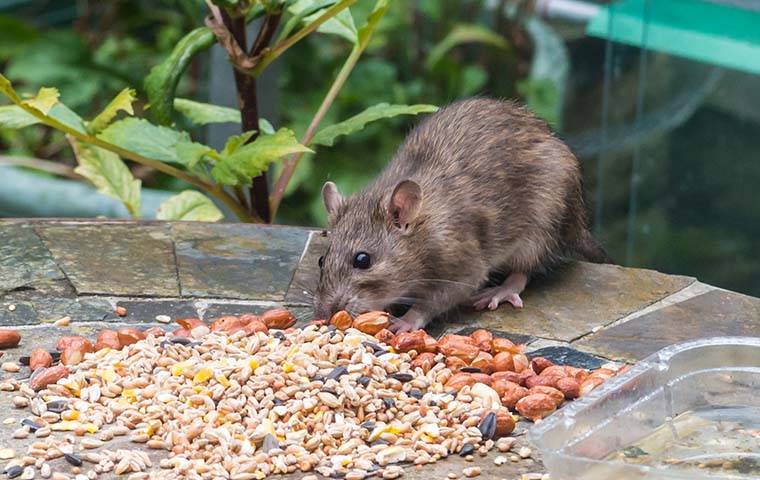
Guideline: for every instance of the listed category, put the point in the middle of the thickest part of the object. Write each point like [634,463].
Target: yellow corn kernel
[153,427]
[129,395]
[198,389]
[293,350]
[253,363]
[287,367]
[177,369]
[223,380]
[203,375]
[70,415]
[108,375]
[64,426]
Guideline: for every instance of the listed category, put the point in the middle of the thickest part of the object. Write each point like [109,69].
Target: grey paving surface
[84,269]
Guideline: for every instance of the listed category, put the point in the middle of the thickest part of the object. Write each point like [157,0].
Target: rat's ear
[333,200]
[404,204]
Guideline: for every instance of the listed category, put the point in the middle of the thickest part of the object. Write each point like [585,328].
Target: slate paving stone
[17,313]
[146,310]
[24,259]
[712,314]
[578,297]
[114,259]
[237,261]
[568,356]
[305,280]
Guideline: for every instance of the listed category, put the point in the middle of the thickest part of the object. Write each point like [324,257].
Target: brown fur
[499,192]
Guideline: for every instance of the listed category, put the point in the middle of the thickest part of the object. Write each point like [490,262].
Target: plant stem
[280,48]
[289,166]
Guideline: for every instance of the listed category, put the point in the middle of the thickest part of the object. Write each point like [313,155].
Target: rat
[480,186]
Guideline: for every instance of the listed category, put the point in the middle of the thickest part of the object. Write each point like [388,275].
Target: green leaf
[122,101]
[464,33]
[327,135]
[235,142]
[342,24]
[155,142]
[44,101]
[161,83]
[189,206]
[204,113]
[365,32]
[108,173]
[253,159]
[300,9]
[542,97]
[13,116]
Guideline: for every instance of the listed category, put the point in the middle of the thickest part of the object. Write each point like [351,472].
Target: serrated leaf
[234,142]
[155,142]
[253,159]
[108,173]
[161,82]
[45,100]
[121,102]
[189,206]
[327,135]
[13,116]
[342,24]
[464,33]
[204,113]
[57,111]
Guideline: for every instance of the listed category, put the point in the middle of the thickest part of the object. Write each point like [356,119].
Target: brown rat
[480,186]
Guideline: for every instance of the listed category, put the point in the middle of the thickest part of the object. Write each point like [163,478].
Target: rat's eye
[321,261]
[362,260]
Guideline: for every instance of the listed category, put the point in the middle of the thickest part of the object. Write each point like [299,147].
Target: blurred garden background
[658,98]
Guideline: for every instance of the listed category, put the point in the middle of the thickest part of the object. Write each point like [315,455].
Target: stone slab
[24,259]
[237,261]
[141,311]
[305,280]
[578,297]
[712,314]
[114,259]
[568,356]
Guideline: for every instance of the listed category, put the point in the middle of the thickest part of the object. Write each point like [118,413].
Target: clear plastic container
[690,411]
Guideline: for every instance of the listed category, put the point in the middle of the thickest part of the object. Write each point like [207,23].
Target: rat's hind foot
[509,291]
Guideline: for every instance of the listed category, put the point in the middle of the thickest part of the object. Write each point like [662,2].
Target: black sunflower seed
[73,459]
[270,443]
[57,406]
[278,334]
[331,328]
[467,449]
[487,426]
[375,347]
[23,361]
[389,402]
[364,381]
[318,378]
[330,390]
[403,377]
[180,340]
[33,427]
[277,402]
[337,373]
[14,471]
[369,425]
[470,370]
[377,442]
[415,393]
[56,356]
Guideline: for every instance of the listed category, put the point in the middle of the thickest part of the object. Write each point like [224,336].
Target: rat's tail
[589,248]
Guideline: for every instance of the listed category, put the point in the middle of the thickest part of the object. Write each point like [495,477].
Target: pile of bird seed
[248,405]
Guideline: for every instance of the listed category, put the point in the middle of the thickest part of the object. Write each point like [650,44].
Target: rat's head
[374,258]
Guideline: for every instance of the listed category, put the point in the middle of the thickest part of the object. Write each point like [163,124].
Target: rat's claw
[400,326]
[493,297]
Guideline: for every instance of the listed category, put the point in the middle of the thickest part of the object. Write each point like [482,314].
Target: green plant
[235,175]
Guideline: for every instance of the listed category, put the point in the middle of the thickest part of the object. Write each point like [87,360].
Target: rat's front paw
[407,323]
